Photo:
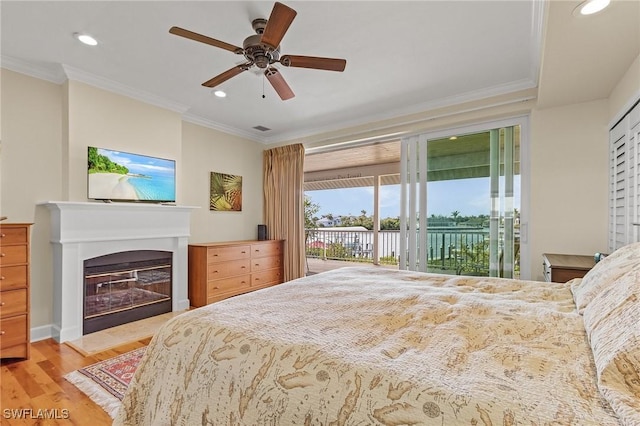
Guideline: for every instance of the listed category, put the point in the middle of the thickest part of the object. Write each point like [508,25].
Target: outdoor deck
[316,265]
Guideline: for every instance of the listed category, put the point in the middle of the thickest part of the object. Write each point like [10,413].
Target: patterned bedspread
[372,346]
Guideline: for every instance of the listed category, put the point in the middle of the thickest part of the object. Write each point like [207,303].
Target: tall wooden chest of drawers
[221,270]
[14,290]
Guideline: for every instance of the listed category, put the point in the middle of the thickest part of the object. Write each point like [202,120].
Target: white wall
[569,181]
[107,120]
[626,92]
[570,172]
[204,151]
[46,128]
[30,169]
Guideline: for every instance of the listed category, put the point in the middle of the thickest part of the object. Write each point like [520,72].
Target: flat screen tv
[123,176]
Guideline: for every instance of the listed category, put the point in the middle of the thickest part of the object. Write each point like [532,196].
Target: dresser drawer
[15,235]
[228,269]
[13,277]
[266,249]
[220,270]
[13,331]
[262,279]
[223,254]
[263,263]
[13,302]
[229,285]
[10,255]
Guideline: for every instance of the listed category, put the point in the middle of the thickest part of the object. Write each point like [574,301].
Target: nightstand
[561,268]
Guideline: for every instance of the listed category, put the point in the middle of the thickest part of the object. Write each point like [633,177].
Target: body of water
[154,188]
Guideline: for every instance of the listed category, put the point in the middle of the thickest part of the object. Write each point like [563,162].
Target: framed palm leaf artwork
[225,192]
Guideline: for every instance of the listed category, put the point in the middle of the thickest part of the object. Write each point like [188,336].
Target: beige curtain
[284,204]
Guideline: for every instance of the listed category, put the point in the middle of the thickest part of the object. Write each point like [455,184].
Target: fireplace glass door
[125,287]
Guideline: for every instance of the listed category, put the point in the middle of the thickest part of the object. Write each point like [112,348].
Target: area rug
[105,382]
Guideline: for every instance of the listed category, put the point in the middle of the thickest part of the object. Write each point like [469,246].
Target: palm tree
[455,215]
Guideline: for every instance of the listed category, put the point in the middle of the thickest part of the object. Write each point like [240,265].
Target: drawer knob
[243,252]
[2,255]
[2,235]
[2,303]
[2,333]
[2,278]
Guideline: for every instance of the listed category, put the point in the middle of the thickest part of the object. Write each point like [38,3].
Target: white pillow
[604,273]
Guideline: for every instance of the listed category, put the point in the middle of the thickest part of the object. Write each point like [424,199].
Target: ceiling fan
[263,50]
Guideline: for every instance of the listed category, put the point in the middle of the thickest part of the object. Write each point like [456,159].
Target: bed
[373,346]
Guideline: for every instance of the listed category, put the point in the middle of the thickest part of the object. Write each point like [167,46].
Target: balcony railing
[453,250]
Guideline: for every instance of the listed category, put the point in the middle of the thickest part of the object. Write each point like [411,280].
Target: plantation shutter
[617,185]
[634,140]
[624,181]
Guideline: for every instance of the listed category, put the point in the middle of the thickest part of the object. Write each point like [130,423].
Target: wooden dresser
[14,290]
[221,270]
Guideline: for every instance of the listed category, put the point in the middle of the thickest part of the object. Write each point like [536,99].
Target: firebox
[126,286]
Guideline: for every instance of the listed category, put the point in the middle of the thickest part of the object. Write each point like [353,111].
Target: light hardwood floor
[39,384]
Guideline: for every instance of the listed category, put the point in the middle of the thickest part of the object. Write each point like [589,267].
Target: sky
[470,197]
[141,164]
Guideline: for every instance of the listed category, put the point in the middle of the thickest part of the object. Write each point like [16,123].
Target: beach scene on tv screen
[115,175]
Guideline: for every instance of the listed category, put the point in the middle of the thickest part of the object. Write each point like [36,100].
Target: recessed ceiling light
[589,7]
[86,39]
[220,93]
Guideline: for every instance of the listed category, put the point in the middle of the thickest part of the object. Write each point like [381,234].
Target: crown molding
[538,18]
[76,74]
[58,74]
[50,72]
[204,122]
[399,113]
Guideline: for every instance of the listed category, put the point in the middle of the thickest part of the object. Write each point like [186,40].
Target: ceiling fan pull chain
[263,96]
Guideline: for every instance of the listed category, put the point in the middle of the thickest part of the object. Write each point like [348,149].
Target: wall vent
[261,128]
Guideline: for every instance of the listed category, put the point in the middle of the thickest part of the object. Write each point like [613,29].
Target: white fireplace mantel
[83,230]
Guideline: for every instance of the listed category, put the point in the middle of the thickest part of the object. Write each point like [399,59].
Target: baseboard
[41,333]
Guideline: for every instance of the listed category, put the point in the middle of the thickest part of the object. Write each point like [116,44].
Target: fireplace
[82,231]
[125,287]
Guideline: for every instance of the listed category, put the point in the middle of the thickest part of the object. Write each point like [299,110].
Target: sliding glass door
[461,201]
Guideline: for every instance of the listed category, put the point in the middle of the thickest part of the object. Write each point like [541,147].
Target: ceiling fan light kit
[263,50]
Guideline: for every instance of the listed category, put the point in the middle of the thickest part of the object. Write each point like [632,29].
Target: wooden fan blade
[221,78]
[278,24]
[329,64]
[278,83]
[204,39]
